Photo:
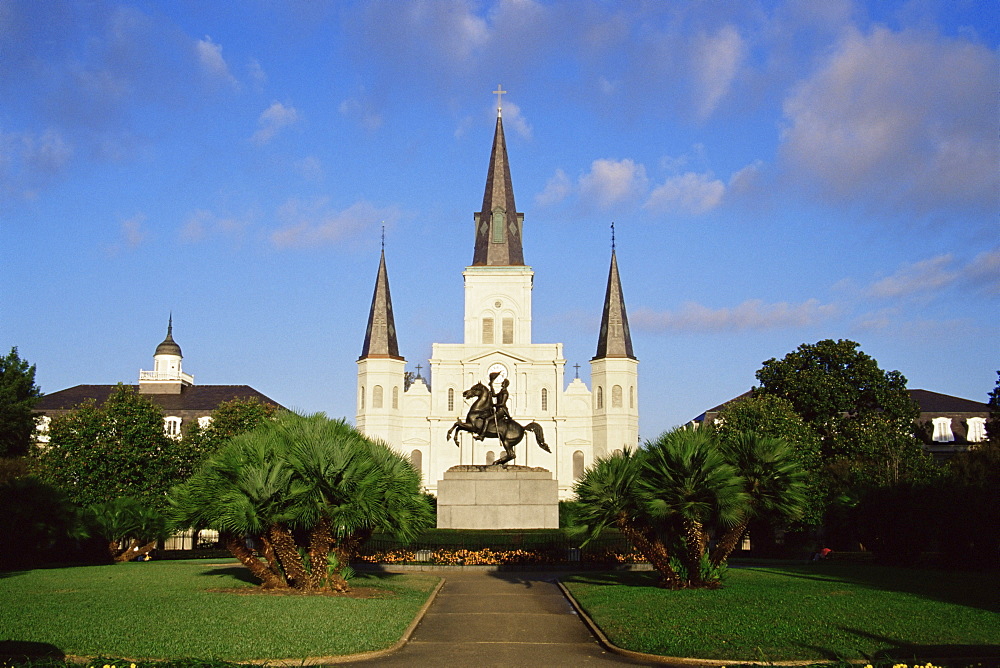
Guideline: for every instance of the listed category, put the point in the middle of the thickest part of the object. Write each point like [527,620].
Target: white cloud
[717,59]
[899,120]
[132,230]
[257,73]
[984,272]
[313,223]
[362,109]
[613,181]
[746,180]
[557,188]
[272,120]
[512,116]
[212,62]
[203,224]
[753,314]
[688,193]
[924,276]
[311,168]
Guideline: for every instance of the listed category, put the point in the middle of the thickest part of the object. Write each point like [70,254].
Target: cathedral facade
[580,424]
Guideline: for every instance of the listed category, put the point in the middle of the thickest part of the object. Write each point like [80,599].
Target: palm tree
[130,529]
[773,479]
[608,494]
[308,477]
[688,481]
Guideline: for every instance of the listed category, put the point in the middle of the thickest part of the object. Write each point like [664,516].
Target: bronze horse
[507,430]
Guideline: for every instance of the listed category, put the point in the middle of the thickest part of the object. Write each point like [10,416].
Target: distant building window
[545,399]
[204,421]
[631,396]
[395,397]
[508,330]
[977,429]
[616,396]
[942,430]
[362,397]
[488,330]
[172,426]
[417,460]
[42,428]
[490,457]
[577,465]
[600,397]
[451,398]
[377,396]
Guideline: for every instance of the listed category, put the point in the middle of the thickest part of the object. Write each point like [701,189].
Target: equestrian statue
[488,418]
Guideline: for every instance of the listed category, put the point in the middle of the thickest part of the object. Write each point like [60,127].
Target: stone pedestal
[494,497]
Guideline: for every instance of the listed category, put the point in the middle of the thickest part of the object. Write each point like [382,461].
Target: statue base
[496,497]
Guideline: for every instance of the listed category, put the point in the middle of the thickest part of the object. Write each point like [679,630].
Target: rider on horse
[499,414]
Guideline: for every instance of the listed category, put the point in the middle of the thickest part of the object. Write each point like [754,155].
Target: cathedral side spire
[498,225]
[615,340]
[380,338]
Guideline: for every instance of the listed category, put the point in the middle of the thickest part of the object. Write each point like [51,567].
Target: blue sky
[778,173]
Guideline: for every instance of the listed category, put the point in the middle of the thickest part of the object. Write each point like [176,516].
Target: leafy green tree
[128,528]
[308,491]
[774,481]
[862,414]
[608,495]
[689,483]
[229,419]
[18,396]
[770,416]
[111,451]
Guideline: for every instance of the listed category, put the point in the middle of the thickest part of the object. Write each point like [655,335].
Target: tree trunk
[694,539]
[269,579]
[320,543]
[655,552]
[267,549]
[288,556]
[132,553]
[730,539]
[346,550]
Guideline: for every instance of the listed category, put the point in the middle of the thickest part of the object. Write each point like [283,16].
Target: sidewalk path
[491,618]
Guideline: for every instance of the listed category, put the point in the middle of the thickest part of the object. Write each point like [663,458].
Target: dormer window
[977,429]
[942,430]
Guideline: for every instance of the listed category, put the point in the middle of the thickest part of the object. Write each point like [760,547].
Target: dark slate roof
[615,340]
[192,398]
[929,402]
[935,402]
[499,196]
[380,337]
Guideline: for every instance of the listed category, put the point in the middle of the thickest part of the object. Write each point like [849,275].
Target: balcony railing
[166,376]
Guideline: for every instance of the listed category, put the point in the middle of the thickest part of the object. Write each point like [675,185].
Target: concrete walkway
[491,618]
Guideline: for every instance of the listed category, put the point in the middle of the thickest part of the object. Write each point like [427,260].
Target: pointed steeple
[498,225]
[380,338]
[169,346]
[615,339]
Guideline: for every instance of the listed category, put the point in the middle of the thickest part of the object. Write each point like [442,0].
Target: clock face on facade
[499,369]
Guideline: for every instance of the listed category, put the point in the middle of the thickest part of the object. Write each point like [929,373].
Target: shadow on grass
[620,578]
[235,572]
[970,589]
[900,651]
[21,651]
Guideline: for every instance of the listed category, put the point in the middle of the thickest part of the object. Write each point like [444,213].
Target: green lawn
[818,612]
[164,609]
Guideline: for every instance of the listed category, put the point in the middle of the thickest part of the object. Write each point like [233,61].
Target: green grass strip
[823,611]
[164,609]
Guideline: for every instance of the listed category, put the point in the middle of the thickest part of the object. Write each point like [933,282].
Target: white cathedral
[579,424]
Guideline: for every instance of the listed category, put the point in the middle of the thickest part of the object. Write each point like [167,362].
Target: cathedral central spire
[498,225]
[380,338]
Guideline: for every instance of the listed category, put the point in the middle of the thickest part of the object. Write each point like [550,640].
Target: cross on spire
[612,236]
[577,367]
[418,370]
[383,236]
[498,92]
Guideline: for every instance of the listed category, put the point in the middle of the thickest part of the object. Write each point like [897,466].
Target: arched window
[395,397]
[488,330]
[577,465]
[362,397]
[451,398]
[600,397]
[377,396]
[172,426]
[508,330]
[545,399]
[942,430]
[417,460]
[631,396]
[499,226]
[977,429]
[616,396]
[490,457]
